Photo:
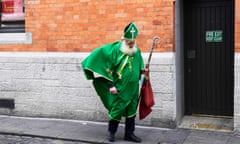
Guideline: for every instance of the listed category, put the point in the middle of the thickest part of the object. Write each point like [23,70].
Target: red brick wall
[237,26]
[82,25]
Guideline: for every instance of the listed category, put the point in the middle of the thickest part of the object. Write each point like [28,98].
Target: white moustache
[126,49]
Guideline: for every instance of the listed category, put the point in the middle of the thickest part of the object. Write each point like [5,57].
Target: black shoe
[111,136]
[133,138]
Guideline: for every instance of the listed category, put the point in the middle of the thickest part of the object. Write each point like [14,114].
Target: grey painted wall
[237,92]
[179,60]
[53,85]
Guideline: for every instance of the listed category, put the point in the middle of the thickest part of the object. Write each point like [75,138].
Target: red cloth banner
[146,98]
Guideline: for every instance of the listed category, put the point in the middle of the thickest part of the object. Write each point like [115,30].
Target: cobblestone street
[13,139]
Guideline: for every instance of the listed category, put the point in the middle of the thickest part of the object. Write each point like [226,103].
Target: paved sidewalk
[95,132]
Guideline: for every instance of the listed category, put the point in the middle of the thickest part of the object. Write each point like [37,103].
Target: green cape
[111,65]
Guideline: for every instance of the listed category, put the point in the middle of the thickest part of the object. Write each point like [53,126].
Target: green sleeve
[100,61]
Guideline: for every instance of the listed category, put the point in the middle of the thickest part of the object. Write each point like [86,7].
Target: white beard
[127,50]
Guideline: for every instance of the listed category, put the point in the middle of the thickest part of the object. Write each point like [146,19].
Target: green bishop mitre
[130,32]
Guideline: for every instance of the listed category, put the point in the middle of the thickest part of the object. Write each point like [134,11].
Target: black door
[209,57]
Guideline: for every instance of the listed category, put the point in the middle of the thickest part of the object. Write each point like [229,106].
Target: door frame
[179,60]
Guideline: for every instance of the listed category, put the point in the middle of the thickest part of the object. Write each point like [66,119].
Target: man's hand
[146,70]
[113,90]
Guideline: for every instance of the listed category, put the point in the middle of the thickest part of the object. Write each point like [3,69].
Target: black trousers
[112,126]
[129,125]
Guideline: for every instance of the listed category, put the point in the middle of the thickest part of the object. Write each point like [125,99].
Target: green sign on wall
[214,36]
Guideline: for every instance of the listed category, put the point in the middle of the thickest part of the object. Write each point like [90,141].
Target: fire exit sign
[214,36]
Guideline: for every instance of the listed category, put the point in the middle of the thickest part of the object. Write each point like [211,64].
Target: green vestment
[124,71]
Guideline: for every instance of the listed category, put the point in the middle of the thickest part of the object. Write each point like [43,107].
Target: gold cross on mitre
[133,31]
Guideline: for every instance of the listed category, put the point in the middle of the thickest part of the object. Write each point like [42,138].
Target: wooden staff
[156,40]
[146,97]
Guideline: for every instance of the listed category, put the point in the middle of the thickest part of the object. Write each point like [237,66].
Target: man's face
[130,43]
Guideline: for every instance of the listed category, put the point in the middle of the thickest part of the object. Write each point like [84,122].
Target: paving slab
[96,132]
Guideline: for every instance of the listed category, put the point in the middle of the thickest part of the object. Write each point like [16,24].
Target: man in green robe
[115,69]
